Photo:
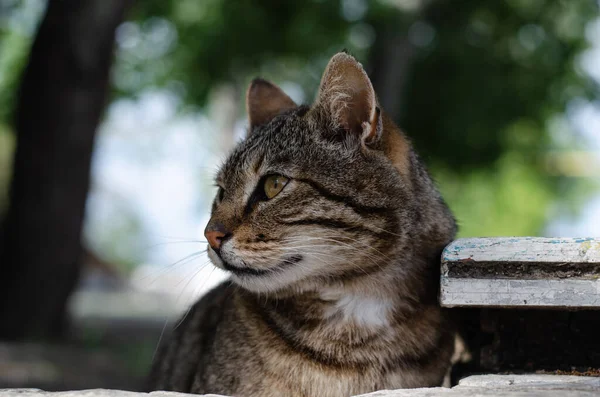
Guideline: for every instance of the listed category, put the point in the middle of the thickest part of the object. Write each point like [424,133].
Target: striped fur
[333,288]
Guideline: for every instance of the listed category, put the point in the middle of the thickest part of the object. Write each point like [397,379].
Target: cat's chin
[265,284]
[283,275]
[277,279]
[214,258]
[247,270]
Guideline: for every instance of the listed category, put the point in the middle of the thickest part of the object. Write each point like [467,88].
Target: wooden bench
[521,272]
[525,303]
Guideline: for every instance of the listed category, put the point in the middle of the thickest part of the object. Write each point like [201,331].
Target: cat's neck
[358,308]
[368,304]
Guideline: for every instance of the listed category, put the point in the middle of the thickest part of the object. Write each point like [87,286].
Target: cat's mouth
[250,271]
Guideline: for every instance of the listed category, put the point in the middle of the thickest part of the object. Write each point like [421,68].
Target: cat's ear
[264,101]
[347,96]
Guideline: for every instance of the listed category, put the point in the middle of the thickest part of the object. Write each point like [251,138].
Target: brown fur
[265,101]
[334,280]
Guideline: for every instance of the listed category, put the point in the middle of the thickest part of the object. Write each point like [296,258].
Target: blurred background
[115,114]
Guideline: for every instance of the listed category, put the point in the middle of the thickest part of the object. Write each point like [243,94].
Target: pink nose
[214,238]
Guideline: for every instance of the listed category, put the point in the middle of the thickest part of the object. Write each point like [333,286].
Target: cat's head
[321,194]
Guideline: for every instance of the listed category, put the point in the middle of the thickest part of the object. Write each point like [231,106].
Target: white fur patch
[365,311]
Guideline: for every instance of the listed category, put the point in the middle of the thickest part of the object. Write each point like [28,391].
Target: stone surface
[521,272]
[473,386]
[507,385]
[532,381]
[93,393]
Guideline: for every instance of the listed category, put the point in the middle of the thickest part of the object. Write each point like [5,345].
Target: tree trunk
[62,94]
[392,58]
[389,68]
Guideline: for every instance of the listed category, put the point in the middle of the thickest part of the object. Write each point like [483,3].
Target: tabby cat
[332,231]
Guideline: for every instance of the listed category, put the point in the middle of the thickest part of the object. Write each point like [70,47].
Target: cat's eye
[274,184]
[220,194]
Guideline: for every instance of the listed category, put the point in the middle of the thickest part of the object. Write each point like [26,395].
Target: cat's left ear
[264,101]
[347,96]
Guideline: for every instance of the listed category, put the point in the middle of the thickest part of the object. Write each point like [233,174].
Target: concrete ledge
[521,272]
[94,393]
[473,386]
[507,385]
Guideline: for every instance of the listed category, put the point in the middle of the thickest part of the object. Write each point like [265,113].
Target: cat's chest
[344,355]
[362,313]
[305,378]
[349,345]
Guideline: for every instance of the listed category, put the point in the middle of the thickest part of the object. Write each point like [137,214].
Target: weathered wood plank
[513,293]
[517,272]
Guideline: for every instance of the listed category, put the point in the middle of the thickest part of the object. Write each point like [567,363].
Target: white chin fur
[292,276]
[214,258]
[280,279]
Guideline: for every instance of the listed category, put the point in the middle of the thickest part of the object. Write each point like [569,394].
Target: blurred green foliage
[485,79]
[496,63]
[220,41]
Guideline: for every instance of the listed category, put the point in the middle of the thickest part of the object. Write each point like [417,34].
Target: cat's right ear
[347,96]
[264,101]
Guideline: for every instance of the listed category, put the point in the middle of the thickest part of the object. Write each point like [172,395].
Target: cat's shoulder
[208,303]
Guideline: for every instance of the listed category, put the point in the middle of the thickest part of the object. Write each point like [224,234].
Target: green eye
[274,184]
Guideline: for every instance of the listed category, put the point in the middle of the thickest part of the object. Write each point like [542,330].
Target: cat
[332,231]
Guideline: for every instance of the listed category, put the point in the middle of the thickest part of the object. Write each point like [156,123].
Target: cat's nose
[214,238]
[215,234]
